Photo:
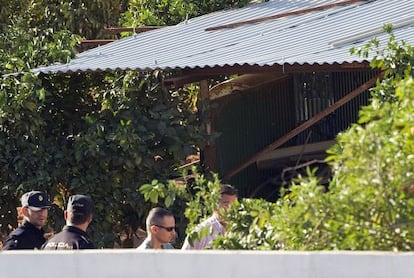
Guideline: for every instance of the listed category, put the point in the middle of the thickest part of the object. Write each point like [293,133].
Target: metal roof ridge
[285,14]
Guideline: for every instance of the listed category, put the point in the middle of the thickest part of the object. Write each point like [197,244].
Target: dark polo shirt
[69,238]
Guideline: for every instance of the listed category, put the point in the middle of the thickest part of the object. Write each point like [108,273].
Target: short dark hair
[156,215]
[227,189]
[77,218]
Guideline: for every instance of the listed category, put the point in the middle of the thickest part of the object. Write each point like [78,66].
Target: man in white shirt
[215,224]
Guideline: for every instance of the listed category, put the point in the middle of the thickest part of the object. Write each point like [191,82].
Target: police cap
[80,204]
[35,200]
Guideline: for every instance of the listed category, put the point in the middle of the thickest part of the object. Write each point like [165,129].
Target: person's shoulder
[167,246]
[18,232]
[86,243]
[55,236]
[146,244]
[207,222]
[14,238]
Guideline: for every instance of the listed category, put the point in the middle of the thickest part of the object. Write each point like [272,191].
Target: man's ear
[153,229]
[25,211]
[65,214]
[90,219]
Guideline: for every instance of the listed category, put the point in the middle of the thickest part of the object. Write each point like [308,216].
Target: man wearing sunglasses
[160,230]
[30,235]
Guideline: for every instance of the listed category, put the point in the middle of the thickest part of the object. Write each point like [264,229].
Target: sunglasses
[168,229]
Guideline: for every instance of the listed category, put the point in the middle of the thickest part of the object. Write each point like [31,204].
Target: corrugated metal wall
[251,120]
[325,89]
[343,83]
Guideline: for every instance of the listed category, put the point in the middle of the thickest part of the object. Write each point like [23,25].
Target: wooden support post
[204,89]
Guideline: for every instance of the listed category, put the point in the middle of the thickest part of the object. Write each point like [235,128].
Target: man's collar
[29,225]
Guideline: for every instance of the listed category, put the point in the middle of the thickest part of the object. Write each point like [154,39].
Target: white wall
[200,264]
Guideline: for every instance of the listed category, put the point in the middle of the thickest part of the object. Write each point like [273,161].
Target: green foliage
[156,13]
[98,134]
[396,60]
[209,6]
[26,41]
[249,226]
[172,12]
[86,18]
[293,223]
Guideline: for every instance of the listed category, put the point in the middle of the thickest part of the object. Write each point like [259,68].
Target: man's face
[37,217]
[226,200]
[165,232]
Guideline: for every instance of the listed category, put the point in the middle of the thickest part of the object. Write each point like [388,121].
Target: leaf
[145,188]
[168,201]
[153,196]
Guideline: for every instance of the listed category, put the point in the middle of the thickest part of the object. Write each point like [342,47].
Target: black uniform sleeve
[15,240]
[11,243]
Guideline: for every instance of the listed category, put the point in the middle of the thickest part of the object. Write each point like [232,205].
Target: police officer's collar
[29,225]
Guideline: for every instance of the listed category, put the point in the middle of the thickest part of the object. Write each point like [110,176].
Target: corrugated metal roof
[318,37]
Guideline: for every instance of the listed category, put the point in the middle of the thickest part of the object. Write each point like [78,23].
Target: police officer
[30,235]
[78,216]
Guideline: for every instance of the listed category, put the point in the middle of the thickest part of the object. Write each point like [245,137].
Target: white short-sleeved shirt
[216,229]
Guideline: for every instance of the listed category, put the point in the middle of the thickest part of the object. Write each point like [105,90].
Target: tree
[172,12]
[86,18]
[25,44]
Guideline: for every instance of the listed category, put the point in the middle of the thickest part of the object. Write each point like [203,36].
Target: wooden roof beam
[180,81]
[243,83]
[284,69]
[95,42]
[139,29]
[197,74]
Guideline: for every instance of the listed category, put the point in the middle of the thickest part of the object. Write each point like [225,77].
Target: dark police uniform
[69,238]
[26,236]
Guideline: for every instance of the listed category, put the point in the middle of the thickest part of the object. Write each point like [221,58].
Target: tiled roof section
[317,37]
